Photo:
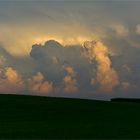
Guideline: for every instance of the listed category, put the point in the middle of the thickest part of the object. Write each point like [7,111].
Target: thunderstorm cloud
[84,49]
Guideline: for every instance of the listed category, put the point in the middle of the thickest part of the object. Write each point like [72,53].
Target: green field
[44,117]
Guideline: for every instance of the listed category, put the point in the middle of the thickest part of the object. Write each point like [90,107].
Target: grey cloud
[127,65]
[24,65]
[52,57]
[94,16]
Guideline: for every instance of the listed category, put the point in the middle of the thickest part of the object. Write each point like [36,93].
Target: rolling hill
[60,118]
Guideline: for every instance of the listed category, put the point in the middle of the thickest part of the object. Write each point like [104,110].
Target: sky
[82,49]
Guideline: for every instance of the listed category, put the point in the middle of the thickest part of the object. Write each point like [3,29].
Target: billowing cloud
[52,57]
[10,81]
[56,69]
[37,84]
[98,70]
[64,58]
[106,76]
[127,65]
[69,81]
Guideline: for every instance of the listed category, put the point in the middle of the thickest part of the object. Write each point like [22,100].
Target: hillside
[46,117]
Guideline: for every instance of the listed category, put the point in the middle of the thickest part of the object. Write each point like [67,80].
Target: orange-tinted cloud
[106,76]
[37,84]
[70,70]
[11,81]
[69,81]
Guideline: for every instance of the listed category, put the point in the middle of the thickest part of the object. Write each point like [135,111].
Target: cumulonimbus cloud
[60,69]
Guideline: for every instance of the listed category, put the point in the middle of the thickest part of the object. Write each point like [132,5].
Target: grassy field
[44,117]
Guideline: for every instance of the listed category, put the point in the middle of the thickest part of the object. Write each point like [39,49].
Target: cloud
[125,86]
[43,77]
[120,30]
[138,29]
[109,65]
[70,71]
[90,67]
[54,69]
[37,84]
[26,35]
[106,76]
[66,22]
[5,57]
[52,57]
[11,81]
[69,81]
[127,65]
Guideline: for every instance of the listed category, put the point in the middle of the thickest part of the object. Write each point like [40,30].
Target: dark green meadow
[32,117]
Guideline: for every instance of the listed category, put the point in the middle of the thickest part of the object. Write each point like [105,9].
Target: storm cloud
[85,49]
[88,70]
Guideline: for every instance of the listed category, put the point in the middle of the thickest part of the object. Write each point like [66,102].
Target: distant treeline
[125,100]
